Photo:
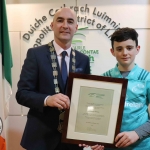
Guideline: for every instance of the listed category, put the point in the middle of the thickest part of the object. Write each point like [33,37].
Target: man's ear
[51,25]
[76,28]
[112,52]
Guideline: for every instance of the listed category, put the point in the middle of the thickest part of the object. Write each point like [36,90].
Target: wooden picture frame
[96,109]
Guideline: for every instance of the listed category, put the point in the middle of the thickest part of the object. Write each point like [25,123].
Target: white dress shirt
[59,50]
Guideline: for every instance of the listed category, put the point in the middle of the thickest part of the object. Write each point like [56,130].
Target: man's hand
[58,100]
[125,139]
[95,147]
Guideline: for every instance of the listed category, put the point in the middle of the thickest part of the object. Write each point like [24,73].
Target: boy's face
[125,53]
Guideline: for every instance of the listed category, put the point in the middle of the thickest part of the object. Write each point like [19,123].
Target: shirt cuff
[45,101]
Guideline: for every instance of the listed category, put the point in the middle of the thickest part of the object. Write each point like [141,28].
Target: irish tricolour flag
[5,71]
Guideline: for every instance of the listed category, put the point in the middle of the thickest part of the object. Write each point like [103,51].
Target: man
[42,85]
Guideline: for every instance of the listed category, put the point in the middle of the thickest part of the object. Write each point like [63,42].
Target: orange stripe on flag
[2,143]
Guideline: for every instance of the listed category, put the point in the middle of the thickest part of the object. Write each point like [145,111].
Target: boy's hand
[95,147]
[125,139]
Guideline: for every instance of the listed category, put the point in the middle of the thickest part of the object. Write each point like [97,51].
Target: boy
[135,128]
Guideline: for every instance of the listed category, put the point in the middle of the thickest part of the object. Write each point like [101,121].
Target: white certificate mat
[77,99]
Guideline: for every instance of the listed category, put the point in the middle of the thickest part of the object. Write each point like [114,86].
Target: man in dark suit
[42,87]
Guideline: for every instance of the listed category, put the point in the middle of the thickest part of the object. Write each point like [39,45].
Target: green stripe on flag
[5,49]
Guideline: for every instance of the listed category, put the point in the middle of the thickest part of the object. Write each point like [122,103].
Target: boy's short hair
[124,34]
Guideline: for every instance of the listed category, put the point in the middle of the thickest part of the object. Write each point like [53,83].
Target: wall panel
[94,37]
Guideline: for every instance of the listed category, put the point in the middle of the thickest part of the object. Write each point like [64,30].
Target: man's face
[125,53]
[64,25]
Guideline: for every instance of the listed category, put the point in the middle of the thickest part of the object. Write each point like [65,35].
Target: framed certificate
[96,109]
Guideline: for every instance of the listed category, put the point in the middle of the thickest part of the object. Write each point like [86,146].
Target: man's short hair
[124,34]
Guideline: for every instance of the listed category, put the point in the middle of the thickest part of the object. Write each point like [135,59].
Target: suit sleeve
[87,70]
[27,94]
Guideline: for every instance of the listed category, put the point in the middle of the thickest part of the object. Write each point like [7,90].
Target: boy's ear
[112,51]
[138,49]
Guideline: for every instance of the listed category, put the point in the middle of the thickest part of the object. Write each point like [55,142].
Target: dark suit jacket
[35,84]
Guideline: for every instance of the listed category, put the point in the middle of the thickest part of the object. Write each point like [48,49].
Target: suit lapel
[70,63]
[59,78]
[77,58]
